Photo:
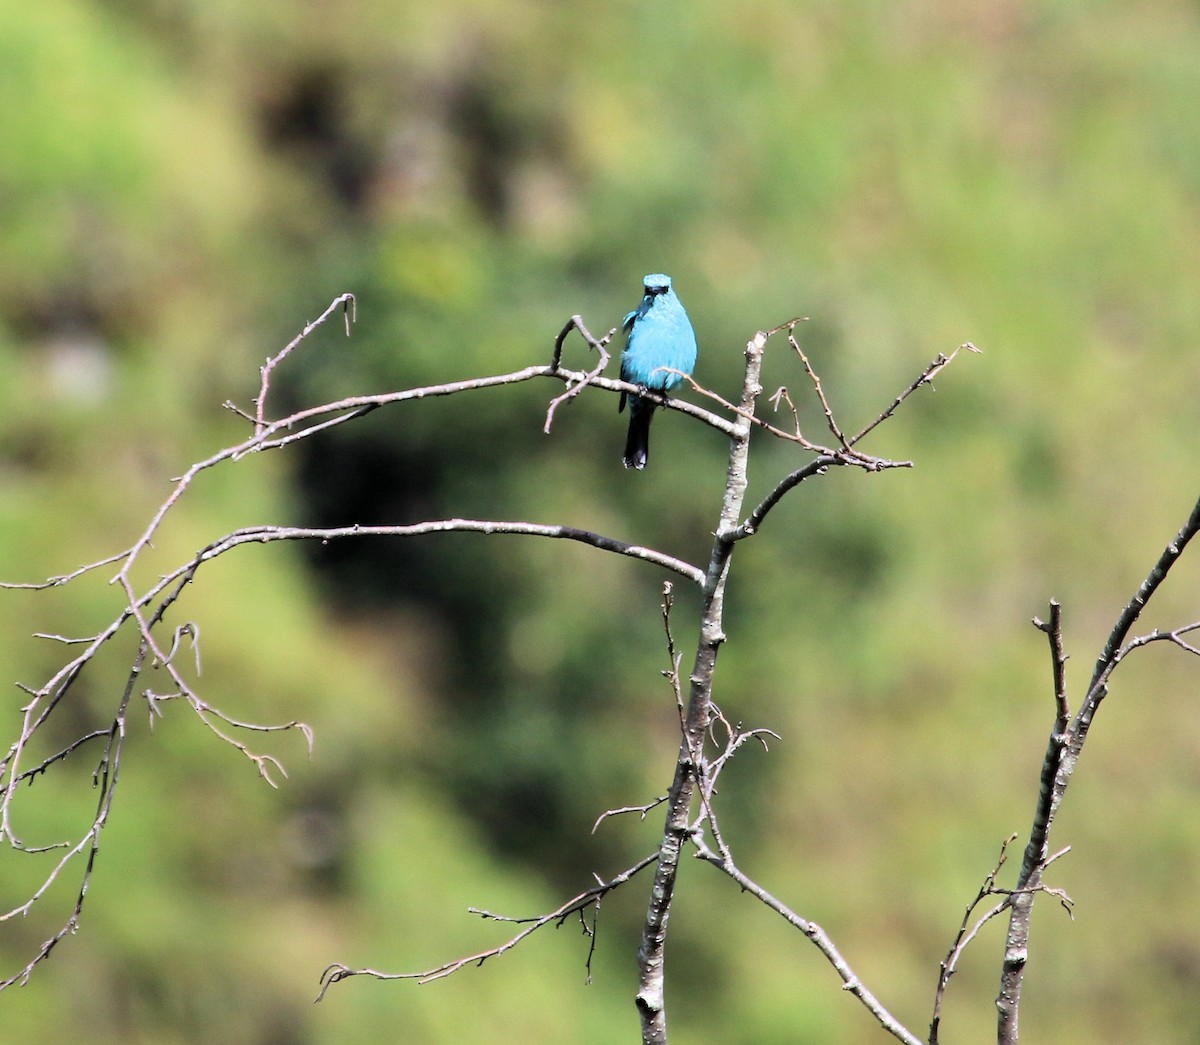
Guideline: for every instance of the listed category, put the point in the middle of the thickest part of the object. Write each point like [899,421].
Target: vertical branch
[1062,754]
[1058,666]
[650,995]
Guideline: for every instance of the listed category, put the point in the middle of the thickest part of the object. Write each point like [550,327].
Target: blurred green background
[183,184]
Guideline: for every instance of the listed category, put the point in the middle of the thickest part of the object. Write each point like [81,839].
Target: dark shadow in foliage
[509,748]
[307,119]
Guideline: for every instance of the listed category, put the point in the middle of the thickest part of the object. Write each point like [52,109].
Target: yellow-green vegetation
[184,184]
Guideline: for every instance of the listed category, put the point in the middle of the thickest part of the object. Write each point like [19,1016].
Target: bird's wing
[628,324]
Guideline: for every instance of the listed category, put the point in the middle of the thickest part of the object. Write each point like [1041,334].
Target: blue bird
[659,335]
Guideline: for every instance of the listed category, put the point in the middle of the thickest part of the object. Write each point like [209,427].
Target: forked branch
[1062,755]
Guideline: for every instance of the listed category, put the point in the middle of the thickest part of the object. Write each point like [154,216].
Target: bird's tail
[637,443]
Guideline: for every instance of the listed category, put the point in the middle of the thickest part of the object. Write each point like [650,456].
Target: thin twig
[642,811]
[965,935]
[576,323]
[66,578]
[337,972]
[349,307]
[834,429]
[940,362]
[106,783]
[758,422]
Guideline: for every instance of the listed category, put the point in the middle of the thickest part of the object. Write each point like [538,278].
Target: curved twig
[337,972]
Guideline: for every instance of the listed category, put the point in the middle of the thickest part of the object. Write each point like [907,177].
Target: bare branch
[72,747]
[794,436]
[1053,630]
[814,468]
[337,972]
[265,764]
[819,938]
[677,828]
[848,455]
[673,655]
[266,534]
[940,362]
[642,811]
[965,936]
[576,323]
[349,308]
[1174,636]
[106,781]
[1129,615]
[66,578]
[573,389]
[1058,766]
[816,381]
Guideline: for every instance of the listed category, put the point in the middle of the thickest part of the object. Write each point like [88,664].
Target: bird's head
[656,283]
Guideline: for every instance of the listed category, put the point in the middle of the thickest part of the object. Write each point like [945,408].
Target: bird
[660,348]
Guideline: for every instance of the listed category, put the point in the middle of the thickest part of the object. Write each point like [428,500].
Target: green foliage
[185,184]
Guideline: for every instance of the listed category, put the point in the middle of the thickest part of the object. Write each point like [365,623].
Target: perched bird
[659,335]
